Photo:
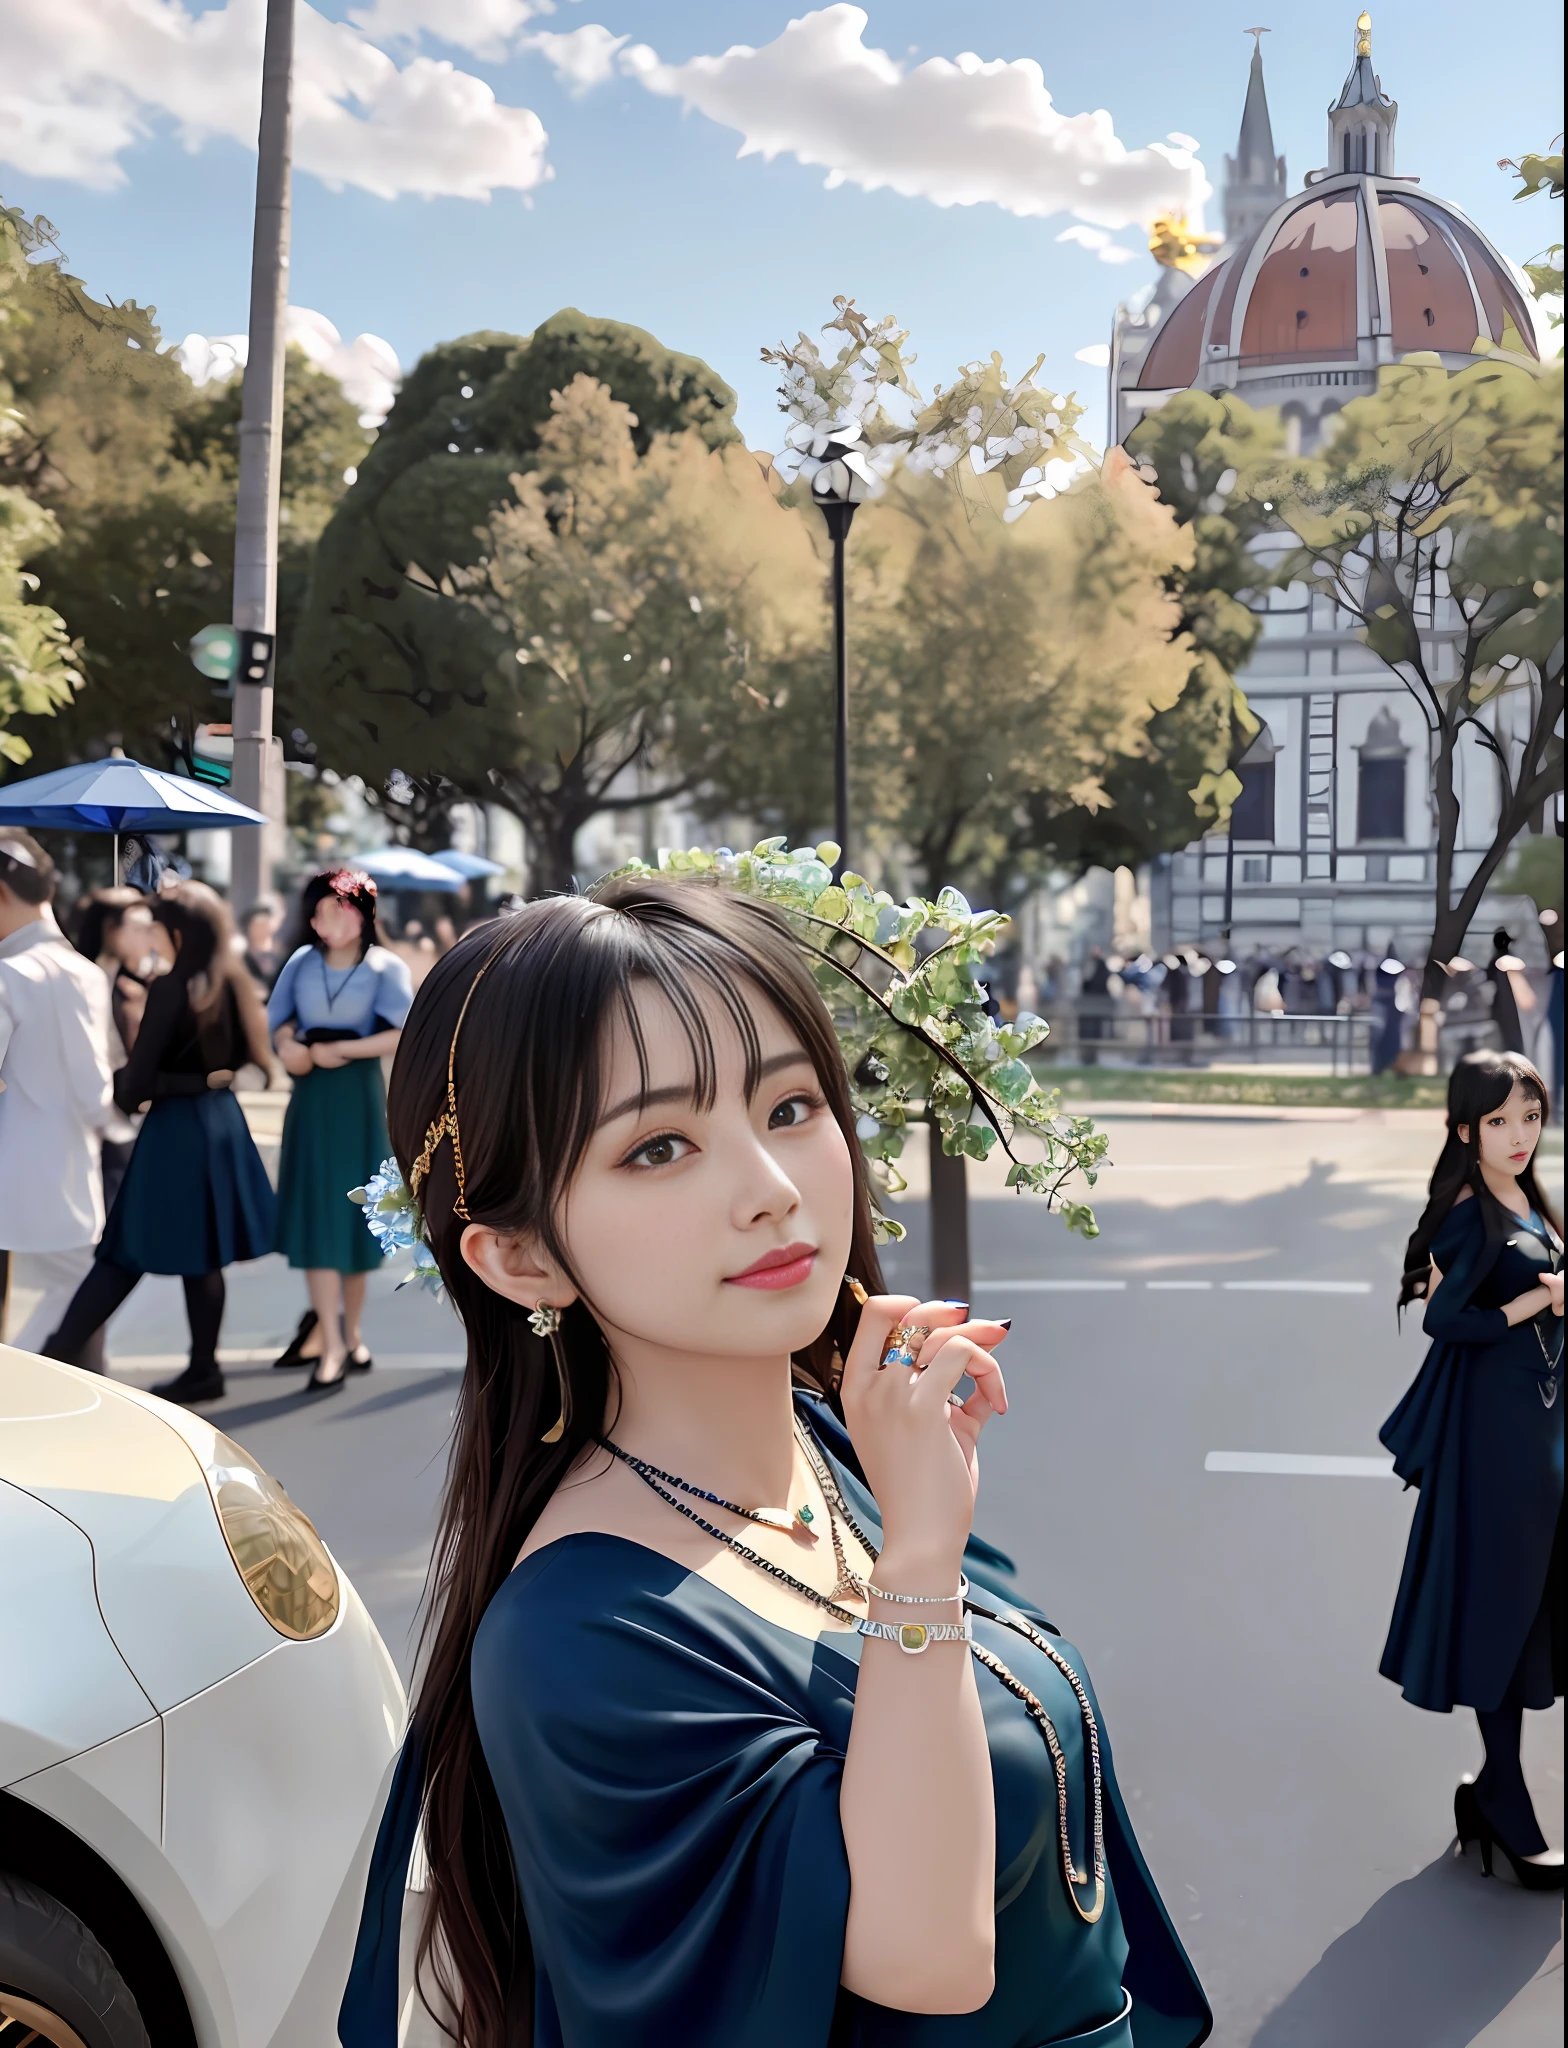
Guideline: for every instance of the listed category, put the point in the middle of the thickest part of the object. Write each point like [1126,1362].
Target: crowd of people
[1284,1000]
[122,1042]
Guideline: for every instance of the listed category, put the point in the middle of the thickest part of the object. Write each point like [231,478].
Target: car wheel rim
[24,2024]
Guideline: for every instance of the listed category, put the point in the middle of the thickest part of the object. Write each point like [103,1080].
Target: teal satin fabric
[668,1763]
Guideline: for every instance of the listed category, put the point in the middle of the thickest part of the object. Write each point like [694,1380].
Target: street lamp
[843,481]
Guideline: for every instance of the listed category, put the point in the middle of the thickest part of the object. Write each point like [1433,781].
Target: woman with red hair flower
[337,1008]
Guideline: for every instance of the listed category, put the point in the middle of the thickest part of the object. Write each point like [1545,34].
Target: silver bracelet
[914,1636]
[923,1599]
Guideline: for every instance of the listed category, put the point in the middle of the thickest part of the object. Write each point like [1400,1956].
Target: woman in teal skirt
[336,1009]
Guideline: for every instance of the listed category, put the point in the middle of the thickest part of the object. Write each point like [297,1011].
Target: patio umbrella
[404,867]
[119,795]
[471,866]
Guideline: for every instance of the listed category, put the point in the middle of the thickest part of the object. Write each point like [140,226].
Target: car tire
[56,1971]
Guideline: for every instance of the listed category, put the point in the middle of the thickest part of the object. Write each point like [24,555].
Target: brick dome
[1352,262]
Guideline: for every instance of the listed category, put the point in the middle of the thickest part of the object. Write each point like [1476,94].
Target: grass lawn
[1196,1084]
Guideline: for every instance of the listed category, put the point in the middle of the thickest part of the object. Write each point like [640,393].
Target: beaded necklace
[849,1582]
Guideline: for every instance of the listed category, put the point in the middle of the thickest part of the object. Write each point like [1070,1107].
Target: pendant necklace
[851,1584]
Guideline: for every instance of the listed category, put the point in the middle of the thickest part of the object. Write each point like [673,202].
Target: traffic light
[229,655]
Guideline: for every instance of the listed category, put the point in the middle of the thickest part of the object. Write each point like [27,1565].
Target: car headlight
[277,1552]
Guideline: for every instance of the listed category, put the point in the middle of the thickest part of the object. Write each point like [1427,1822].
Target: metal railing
[1343,1043]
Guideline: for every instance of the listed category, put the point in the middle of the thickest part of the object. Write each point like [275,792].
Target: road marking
[1297,1286]
[1057,1286]
[238,1361]
[1299,1464]
[1179,1286]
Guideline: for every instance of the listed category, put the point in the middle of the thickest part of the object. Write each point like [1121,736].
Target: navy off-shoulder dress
[1478,1619]
[669,1762]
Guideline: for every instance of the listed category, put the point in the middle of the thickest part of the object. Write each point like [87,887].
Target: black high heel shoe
[289,1360]
[1472,1825]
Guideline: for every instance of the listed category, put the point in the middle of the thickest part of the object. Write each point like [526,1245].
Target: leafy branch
[912,1020]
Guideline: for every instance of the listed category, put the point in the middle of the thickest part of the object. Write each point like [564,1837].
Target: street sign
[229,655]
[212,754]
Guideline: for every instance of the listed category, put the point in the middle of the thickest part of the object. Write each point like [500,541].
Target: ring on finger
[903,1347]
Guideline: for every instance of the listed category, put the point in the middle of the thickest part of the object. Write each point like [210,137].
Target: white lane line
[1057,1286]
[1297,1286]
[1299,1464]
[1179,1286]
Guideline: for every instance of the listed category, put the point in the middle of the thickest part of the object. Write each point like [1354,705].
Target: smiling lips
[786,1268]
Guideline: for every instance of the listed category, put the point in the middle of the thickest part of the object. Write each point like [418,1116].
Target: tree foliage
[39,673]
[1537,173]
[1438,504]
[1003,675]
[604,624]
[133,471]
[394,671]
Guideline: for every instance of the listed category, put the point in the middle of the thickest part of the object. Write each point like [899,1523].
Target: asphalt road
[1236,1311]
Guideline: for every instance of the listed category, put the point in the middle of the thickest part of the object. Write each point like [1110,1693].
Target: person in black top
[195,1197]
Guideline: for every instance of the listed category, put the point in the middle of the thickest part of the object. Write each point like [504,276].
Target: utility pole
[258,757]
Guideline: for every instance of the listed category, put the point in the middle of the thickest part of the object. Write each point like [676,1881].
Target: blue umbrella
[118,795]
[404,867]
[470,865]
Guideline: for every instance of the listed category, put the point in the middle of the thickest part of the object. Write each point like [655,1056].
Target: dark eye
[794,1110]
[663,1150]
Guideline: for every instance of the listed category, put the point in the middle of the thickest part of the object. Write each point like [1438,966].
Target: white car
[197,1725]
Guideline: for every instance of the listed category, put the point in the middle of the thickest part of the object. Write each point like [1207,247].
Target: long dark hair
[530,1073]
[205,961]
[1480,1084]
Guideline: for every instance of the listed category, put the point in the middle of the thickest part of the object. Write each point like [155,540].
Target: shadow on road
[1431,1964]
[397,1397]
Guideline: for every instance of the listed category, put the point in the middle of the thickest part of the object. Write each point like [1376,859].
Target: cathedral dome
[1319,290]
[1356,269]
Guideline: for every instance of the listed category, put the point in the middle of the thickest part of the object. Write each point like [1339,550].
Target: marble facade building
[1311,294]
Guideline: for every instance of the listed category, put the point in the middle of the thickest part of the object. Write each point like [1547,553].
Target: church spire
[1361,121]
[1255,180]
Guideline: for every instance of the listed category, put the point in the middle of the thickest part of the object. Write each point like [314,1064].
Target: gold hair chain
[445,1125]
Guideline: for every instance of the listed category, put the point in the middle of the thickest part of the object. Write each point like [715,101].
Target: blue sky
[649,215]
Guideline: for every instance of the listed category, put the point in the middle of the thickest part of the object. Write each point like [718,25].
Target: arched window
[1380,783]
[1252,814]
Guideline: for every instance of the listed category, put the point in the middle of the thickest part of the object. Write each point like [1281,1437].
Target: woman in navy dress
[195,1196]
[1478,1620]
[335,1012]
[729,1732]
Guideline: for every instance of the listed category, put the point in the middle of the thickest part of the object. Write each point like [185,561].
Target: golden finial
[1363,35]
[1180,247]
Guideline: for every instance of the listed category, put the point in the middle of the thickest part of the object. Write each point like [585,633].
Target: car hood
[130,1471]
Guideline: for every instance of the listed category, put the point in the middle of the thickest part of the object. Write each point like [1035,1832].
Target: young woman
[1478,1621]
[195,1197]
[336,1009]
[703,1749]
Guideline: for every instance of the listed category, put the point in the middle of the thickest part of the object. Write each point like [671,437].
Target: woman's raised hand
[918,1449]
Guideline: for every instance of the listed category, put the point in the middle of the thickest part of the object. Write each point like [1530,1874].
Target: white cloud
[367,367]
[1097,240]
[87,79]
[582,57]
[958,132]
[1097,355]
[484,27]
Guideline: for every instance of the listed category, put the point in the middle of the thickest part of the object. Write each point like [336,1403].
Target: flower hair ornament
[348,883]
[912,1020]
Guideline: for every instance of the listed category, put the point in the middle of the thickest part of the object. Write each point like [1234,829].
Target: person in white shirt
[56,1077]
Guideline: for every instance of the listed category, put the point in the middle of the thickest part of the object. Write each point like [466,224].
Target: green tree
[393,672]
[1003,674]
[606,624]
[1542,172]
[1434,519]
[132,471]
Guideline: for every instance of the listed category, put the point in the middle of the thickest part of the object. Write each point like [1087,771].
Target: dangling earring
[856,1289]
[545,1321]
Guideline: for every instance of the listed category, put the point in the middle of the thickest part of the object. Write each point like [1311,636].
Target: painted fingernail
[956,1304]
[1007,1322]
